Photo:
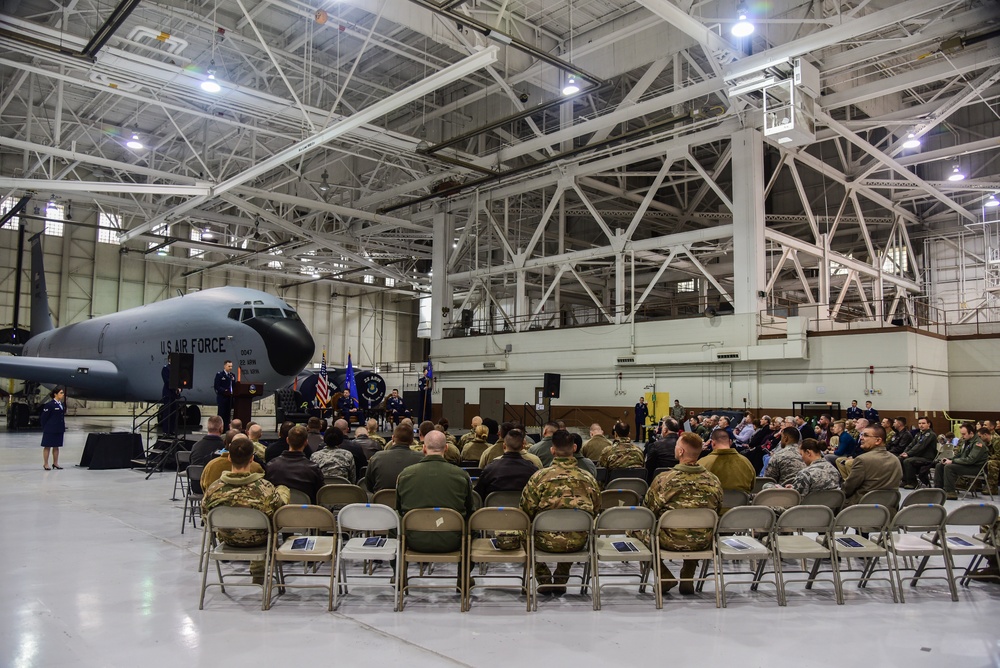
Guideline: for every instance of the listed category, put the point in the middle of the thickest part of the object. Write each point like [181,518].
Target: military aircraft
[120,356]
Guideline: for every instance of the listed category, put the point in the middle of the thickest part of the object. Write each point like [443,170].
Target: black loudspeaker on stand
[550,385]
[181,370]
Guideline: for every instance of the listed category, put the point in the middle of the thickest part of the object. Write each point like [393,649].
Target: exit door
[491,400]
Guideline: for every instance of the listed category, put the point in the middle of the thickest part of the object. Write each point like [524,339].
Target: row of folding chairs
[750,534]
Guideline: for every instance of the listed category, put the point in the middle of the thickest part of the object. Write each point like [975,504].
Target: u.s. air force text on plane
[212,344]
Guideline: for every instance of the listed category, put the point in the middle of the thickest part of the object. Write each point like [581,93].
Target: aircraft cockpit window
[247,314]
[291,315]
[268,312]
[234,314]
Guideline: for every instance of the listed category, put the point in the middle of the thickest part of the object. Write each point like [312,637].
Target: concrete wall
[911,369]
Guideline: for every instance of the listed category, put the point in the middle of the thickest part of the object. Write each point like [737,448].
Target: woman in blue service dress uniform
[53,427]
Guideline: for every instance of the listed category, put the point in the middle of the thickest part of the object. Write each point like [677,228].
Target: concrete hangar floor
[97,573]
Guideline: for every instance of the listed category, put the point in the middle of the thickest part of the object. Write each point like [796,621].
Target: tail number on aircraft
[213,344]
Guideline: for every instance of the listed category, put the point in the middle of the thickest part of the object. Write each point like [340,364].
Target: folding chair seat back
[298,497]
[924,496]
[814,519]
[386,497]
[662,469]
[228,518]
[625,518]
[911,521]
[747,518]
[832,498]
[372,517]
[883,497]
[688,518]
[733,498]
[182,457]
[477,501]
[303,518]
[497,518]
[194,479]
[431,520]
[340,495]
[562,520]
[759,482]
[777,497]
[865,518]
[511,499]
[625,474]
[637,485]
[616,498]
[368,518]
[602,474]
[231,518]
[336,480]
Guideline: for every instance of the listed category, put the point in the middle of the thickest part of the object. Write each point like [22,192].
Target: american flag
[323,385]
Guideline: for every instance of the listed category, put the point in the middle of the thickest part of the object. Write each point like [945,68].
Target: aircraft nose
[288,342]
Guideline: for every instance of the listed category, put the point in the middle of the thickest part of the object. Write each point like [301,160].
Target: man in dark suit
[641,414]
[224,381]
[853,413]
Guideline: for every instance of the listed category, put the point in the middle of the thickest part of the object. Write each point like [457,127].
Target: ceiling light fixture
[210,85]
[956,173]
[324,185]
[571,87]
[992,201]
[134,142]
[743,27]
[207,234]
[912,141]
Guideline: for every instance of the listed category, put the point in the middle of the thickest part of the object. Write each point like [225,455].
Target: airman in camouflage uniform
[562,485]
[687,485]
[471,434]
[240,488]
[622,455]
[335,461]
[818,474]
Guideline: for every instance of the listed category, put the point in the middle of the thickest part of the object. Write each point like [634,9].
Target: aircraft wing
[83,374]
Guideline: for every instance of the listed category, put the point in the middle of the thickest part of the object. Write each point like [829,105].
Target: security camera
[523,97]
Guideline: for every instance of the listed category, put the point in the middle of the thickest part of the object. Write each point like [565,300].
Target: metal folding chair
[227,518]
[613,544]
[482,550]
[833,499]
[745,533]
[687,518]
[313,541]
[507,499]
[863,519]
[790,543]
[431,520]
[192,500]
[906,541]
[612,498]
[560,520]
[368,520]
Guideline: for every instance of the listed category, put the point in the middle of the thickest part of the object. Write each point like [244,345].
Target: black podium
[111,450]
[244,395]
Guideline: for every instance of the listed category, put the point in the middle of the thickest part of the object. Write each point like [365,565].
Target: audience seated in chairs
[215,468]
[510,472]
[623,453]
[875,469]
[972,454]
[732,469]
[293,469]
[384,467]
[595,446]
[204,450]
[818,474]
[333,460]
[562,485]
[434,483]
[242,488]
[787,460]
[687,485]
[474,448]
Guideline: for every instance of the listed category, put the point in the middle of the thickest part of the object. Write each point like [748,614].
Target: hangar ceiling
[349,140]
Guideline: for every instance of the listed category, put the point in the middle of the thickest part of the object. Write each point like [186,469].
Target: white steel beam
[448,75]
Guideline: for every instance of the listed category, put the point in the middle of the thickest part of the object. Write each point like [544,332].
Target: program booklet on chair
[624,546]
[374,541]
[736,543]
[959,542]
[849,542]
[304,544]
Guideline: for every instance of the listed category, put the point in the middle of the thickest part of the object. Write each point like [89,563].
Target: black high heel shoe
[56,466]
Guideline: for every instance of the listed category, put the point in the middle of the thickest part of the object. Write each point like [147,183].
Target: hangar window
[53,219]
[390,282]
[6,205]
[109,228]
[689,285]
[897,260]
[195,236]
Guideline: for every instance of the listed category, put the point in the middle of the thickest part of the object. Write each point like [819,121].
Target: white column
[441,292]
[748,221]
